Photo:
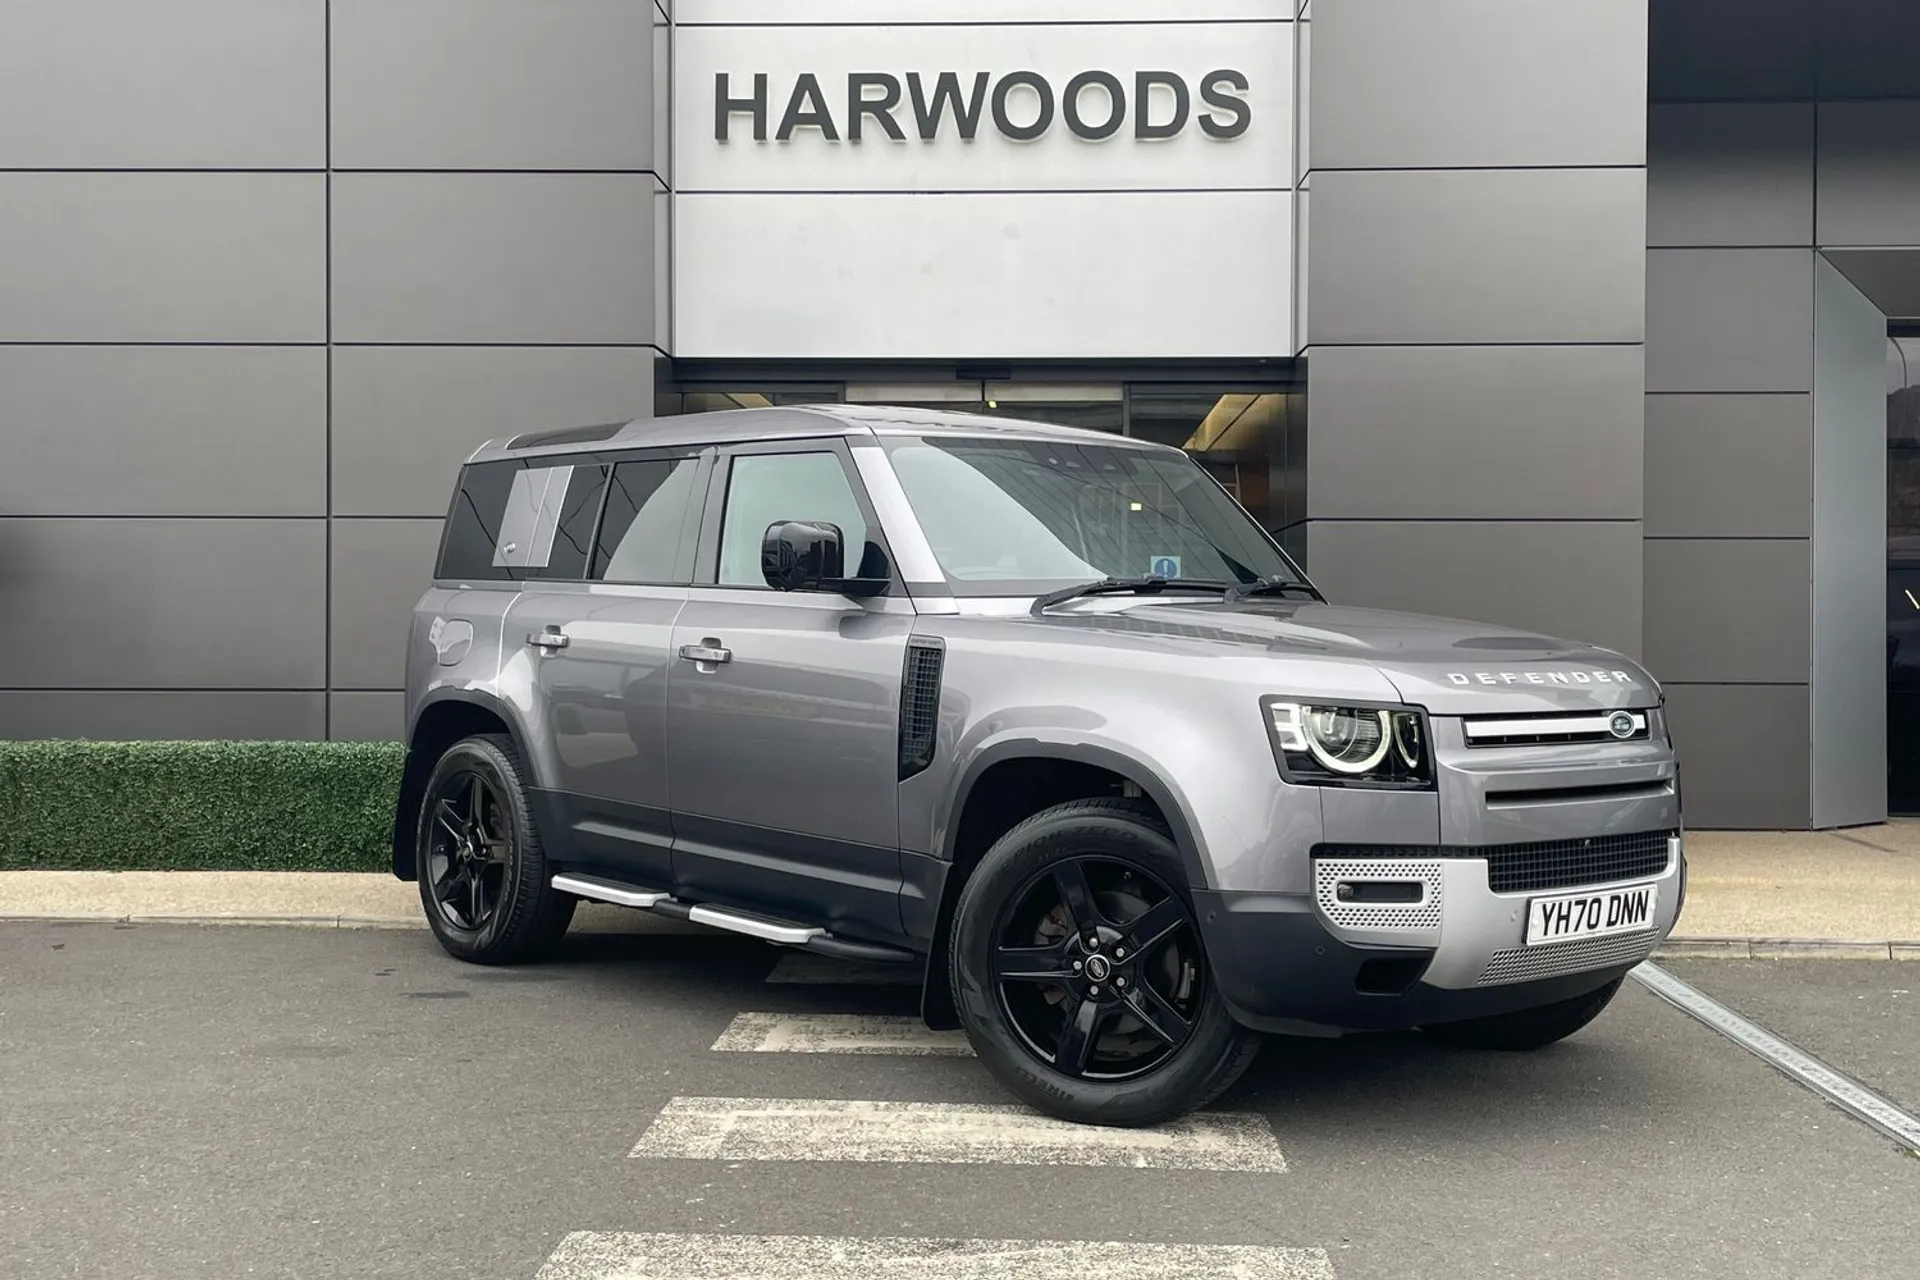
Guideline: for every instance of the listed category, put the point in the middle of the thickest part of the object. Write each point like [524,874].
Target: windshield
[1019,517]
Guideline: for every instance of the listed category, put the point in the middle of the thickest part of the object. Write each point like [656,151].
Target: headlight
[1336,744]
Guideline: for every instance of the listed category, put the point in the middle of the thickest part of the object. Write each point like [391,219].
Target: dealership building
[1584,316]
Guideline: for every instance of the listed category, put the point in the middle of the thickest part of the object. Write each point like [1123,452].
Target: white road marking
[838,1033]
[1847,1094]
[950,1133]
[818,970]
[622,1255]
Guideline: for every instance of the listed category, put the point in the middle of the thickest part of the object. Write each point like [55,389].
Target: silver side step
[607,891]
[778,932]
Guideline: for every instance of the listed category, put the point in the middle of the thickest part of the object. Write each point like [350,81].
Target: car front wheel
[1079,974]
[482,869]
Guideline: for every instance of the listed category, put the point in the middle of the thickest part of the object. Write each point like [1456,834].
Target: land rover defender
[1041,711]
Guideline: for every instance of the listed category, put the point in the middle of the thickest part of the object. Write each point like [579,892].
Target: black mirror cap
[800,555]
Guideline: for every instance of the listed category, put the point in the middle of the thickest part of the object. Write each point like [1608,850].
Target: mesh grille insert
[1540,864]
[919,705]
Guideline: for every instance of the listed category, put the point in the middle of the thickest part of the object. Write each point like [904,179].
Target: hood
[1449,666]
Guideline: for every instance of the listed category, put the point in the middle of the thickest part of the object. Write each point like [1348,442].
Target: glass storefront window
[1247,439]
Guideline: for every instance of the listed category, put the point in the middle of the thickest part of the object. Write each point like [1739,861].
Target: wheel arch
[959,855]
[442,720]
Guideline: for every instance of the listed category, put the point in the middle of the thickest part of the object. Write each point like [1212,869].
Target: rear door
[783,706]
[595,632]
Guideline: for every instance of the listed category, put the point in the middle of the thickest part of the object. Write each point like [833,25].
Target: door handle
[551,638]
[706,652]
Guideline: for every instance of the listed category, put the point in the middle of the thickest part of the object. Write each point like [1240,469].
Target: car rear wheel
[1526,1029]
[1079,973]
[483,875]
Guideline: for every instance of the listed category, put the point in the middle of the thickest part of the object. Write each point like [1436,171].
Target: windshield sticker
[1164,567]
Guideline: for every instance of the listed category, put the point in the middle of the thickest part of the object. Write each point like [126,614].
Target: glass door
[1093,406]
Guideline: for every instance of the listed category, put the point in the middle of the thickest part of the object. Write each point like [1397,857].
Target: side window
[646,516]
[763,489]
[513,520]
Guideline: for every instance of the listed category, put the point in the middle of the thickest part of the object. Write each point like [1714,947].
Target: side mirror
[810,555]
[800,555]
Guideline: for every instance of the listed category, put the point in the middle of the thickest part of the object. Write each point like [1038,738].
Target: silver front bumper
[1478,936]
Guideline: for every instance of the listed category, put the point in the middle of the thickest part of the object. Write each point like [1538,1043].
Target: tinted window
[765,489]
[640,538]
[521,518]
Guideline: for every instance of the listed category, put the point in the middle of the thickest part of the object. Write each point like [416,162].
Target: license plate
[1595,914]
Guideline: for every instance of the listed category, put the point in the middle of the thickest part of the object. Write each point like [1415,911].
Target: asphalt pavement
[228,1101]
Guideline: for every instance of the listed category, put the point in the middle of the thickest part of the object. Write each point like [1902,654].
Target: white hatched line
[818,970]
[623,1255]
[1843,1091]
[839,1033]
[950,1133]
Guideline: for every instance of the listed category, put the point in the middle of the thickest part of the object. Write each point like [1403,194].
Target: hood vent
[1563,729]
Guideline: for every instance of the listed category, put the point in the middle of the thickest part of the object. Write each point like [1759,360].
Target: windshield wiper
[1273,586]
[1107,586]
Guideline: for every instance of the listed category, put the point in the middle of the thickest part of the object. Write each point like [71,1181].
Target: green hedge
[198,806]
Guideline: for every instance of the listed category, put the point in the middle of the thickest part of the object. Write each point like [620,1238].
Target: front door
[600,655]
[783,706]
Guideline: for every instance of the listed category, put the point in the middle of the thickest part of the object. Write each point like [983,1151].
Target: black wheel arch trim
[936,999]
[1131,768]
[417,767]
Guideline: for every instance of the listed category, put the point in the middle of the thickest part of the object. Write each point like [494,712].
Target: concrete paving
[187,1101]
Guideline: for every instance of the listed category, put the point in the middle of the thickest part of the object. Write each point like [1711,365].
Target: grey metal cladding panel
[1866,49]
[1755,51]
[187,84]
[162,257]
[163,604]
[1478,257]
[123,715]
[368,717]
[1729,320]
[1577,580]
[1729,466]
[1730,174]
[1464,83]
[1743,754]
[1476,432]
[1869,173]
[380,569]
[405,417]
[540,258]
[1729,610]
[492,84]
[234,431]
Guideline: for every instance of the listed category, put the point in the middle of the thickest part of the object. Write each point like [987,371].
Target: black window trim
[706,570]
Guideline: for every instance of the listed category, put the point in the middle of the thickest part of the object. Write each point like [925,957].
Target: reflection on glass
[1091,407]
[1246,439]
[670,403]
[1903,575]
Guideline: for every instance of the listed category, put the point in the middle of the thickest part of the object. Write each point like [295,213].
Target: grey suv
[1042,710]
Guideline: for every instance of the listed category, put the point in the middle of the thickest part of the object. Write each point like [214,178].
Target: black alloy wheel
[1098,969]
[469,857]
[485,883]
[1080,975]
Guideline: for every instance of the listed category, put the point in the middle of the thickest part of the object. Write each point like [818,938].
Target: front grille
[1557,959]
[1560,729]
[1540,864]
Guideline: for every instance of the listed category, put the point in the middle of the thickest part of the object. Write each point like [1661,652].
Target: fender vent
[920,704]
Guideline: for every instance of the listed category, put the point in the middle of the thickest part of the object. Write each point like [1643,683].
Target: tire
[1124,854]
[528,916]
[1526,1029]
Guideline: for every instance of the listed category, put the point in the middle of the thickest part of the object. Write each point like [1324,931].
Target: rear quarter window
[521,518]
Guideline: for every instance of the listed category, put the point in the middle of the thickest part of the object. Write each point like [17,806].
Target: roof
[785,422]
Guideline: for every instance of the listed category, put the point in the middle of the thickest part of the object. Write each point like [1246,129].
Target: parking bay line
[623,1255]
[1844,1092]
[839,1033]
[950,1133]
[804,968]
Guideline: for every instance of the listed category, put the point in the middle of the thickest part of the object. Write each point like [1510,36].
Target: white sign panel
[983,189]
[1172,106]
